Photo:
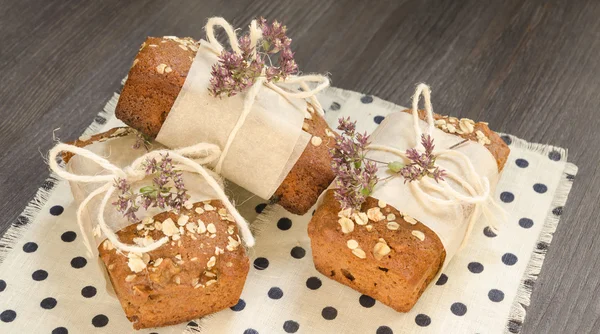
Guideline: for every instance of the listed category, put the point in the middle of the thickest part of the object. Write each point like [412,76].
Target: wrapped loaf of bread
[407,230]
[281,149]
[168,266]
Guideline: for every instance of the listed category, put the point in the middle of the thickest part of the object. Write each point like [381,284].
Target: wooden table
[530,68]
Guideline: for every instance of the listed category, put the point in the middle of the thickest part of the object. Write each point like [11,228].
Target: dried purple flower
[356,176]
[234,72]
[141,140]
[422,164]
[159,194]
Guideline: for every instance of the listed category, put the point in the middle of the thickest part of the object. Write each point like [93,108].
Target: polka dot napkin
[48,286]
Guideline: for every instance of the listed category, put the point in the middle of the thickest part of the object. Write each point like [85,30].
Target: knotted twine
[255,34]
[477,187]
[136,172]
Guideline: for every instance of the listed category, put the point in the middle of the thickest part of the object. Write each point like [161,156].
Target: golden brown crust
[151,88]
[176,289]
[148,96]
[399,278]
[312,173]
[497,146]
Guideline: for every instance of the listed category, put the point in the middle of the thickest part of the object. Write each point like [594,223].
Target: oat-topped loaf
[377,248]
[154,82]
[202,269]
[202,265]
[386,260]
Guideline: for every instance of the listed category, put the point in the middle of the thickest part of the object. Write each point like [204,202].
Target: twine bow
[477,186]
[136,172]
[255,36]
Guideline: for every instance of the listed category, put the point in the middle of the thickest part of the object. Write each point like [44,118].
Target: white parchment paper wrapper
[448,222]
[120,153]
[266,147]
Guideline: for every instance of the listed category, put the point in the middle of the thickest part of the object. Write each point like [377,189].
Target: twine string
[136,172]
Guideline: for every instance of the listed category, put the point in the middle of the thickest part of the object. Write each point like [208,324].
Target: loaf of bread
[155,79]
[393,265]
[201,270]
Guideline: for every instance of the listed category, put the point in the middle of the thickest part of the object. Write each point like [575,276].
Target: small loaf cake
[155,79]
[389,256]
[202,269]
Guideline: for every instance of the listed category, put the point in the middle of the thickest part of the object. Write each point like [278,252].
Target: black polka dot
[335,106]
[78,262]
[68,236]
[88,292]
[241,304]
[366,99]
[509,259]
[100,320]
[8,316]
[458,309]
[378,119]
[48,303]
[366,301]
[384,330]
[570,177]
[329,313]
[557,211]
[442,280]
[496,295]
[30,247]
[475,267]
[298,252]
[291,326]
[60,330]
[506,139]
[56,210]
[259,208]
[275,293]
[261,263]
[423,320]
[284,224]
[525,223]
[554,155]
[522,163]
[540,188]
[250,331]
[488,232]
[39,275]
[313,283]
[507,197]
[2,285]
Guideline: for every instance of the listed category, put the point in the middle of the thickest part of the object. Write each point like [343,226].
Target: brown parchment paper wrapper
[448,222]
[266,147]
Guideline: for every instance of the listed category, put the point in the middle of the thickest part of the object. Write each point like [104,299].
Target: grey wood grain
[530,68]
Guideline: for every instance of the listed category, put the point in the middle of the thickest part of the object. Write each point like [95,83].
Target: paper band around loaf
[266,120]
[121,155]
[450,221]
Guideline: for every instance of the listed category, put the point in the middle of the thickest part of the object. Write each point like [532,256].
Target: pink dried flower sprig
[234,72]
[356,175]
[167,190]
[421,165]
